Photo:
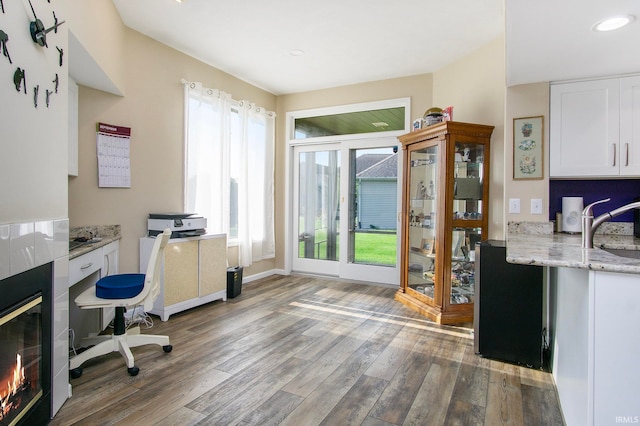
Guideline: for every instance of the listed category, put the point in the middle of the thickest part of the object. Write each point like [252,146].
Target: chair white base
[117,343]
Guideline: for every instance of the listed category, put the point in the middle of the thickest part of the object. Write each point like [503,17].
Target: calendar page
[113,148]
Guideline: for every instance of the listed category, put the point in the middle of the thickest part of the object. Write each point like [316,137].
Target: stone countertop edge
[529,244]
[108,233]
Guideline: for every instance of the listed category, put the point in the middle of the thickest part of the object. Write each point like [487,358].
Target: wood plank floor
[297,350]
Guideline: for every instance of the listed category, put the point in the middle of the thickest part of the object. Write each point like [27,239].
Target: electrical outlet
[536,206]
[514,205]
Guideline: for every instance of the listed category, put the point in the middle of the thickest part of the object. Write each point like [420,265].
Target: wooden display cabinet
[444,214]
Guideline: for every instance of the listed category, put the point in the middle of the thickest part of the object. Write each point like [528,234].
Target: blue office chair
[123,291]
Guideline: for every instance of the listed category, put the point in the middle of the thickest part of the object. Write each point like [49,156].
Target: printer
[182,225]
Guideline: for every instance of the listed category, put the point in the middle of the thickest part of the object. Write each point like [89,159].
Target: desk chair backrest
[152,277]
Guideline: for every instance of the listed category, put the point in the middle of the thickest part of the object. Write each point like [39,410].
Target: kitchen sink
[633,254]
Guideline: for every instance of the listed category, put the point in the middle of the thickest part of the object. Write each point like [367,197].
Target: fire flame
[13,387]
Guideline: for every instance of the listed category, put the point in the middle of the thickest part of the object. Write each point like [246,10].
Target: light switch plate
[514,205]
[536,206]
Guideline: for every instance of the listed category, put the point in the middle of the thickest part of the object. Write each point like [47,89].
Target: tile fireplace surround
[25,246]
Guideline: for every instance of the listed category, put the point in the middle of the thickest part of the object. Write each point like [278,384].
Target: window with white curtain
[229,152]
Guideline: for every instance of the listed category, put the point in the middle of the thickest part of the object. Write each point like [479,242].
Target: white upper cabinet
[594,127]
[630,126]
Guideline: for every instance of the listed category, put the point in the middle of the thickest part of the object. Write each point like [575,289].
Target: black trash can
[234,282]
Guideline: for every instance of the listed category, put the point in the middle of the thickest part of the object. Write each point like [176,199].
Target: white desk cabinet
[193,272]
[84,272]
[595,128]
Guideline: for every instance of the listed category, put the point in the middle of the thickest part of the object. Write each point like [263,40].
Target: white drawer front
[85,265]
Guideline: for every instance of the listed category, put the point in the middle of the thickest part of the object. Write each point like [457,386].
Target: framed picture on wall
[528,148]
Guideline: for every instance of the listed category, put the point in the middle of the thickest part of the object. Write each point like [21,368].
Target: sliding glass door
[345,208]
[317,210]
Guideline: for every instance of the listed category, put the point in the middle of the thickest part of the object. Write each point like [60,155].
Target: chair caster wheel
[167,348]
[133,370]
[75,373]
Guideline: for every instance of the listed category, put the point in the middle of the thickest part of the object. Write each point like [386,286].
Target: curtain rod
[250,105]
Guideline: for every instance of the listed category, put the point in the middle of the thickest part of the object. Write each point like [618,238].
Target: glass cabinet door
[467,208]
[463,246]
[423,184]
[468,177]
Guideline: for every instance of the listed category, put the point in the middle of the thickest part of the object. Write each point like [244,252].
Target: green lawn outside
[374,248]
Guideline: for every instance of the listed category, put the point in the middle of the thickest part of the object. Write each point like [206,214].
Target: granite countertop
[538,246]
[106,233]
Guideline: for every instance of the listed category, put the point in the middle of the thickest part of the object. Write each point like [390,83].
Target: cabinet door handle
[626,148]
[88,265]
[614,154]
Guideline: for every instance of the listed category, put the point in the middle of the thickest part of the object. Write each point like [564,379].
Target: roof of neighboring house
[386,167]
[365,161]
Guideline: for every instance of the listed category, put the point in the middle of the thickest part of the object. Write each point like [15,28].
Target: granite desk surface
[539,247]
[105,233]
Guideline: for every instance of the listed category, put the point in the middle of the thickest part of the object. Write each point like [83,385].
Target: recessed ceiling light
[296,52]
[613,23]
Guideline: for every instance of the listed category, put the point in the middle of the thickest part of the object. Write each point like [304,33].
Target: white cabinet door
[615,348]
[193,272]
[630,126]
[584,129]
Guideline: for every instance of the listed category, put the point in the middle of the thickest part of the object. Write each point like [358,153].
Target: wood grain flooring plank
[171,392]
[504,398]
[387,364]
[301,350]
[462,413]
[371,421]
[273,410]
[327,395]
[432,400]
[182,416]
[220,349]
[536,378]
[289,339]
[540,407]
[473,379]
[308,380]
[238,383]
[168,391]
[80,408]
[398,397]
[357,402]
[231,411]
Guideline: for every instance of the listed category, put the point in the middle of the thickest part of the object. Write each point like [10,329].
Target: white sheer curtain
[229,142]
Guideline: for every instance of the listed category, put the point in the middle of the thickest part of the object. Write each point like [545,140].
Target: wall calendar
[113,149]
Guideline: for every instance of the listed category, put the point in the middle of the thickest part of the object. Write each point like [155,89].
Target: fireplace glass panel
[21,366]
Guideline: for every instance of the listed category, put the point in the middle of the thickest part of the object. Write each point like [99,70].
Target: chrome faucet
[589,224]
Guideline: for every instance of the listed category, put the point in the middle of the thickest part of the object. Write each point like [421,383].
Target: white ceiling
[354,41]
[551,40]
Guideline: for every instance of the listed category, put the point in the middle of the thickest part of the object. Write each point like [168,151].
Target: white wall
[474,86]
[33,141]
